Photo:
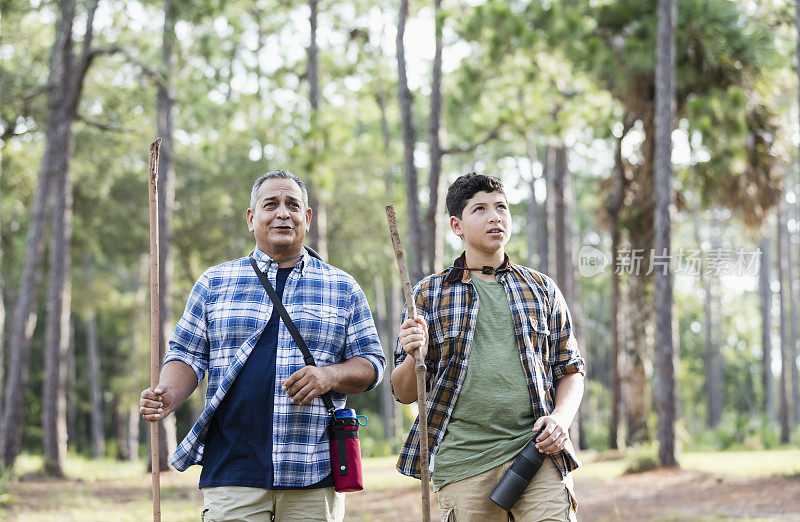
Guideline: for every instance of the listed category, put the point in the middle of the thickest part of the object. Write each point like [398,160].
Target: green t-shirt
[493,417]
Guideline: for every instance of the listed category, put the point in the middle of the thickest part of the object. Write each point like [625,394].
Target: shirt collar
[458,273]
[265,262]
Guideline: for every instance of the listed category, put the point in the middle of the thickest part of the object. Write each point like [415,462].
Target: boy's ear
[455,226]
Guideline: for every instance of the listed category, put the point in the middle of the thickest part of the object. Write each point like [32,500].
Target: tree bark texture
[613,207]
[318,234]
[54,410]
[433,218]
[417,250]
[165,103]
[65,84]
[765,295]
[72,394]
[784,413]
[384,324]
[713,370]
[665,110]
[95,390]
[2,305]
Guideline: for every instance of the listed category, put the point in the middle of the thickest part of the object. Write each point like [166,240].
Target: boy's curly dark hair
[467,186]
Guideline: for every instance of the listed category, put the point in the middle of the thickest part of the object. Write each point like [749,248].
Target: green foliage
[5,478]
[737,432]
[524,76]
[642,457]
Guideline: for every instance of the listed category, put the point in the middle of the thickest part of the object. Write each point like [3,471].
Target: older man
[261,438]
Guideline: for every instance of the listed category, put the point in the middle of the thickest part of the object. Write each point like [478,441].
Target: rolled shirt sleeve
[566,352]
[362,337]
[189,342]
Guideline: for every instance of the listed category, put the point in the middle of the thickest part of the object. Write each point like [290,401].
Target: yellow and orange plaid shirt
[543,327]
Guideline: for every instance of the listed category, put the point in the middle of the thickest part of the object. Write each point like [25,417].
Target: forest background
[386,103]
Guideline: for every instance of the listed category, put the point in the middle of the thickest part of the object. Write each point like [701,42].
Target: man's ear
[249,218]
[308,219]
[455,226]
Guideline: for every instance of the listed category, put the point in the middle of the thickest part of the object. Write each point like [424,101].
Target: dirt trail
[654,495]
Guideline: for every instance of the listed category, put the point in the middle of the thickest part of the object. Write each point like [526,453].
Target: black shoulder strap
[307,357]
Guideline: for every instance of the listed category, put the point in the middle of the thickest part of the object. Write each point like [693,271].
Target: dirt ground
[654,495]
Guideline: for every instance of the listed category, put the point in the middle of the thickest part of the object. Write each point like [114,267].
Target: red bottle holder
[346,454]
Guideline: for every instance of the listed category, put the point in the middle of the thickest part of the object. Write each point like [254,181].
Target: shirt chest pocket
[445,344]
[539,339]
[323,329]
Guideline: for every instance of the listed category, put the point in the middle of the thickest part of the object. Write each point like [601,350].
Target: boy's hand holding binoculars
[554,435]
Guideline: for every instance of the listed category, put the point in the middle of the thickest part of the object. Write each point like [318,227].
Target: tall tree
[783,297]
[613,206]
[383,322]
[713,362]
[65,85]
[95,391]
[2,305]
[765,295]
[319,229]
[416,245]
[433,217]
[617,50]
[165,109]
[54,407]
[791,288]
[665,99]
[562,195]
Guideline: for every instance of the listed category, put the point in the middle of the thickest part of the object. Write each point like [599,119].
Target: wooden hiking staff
[155,320]
[419,367]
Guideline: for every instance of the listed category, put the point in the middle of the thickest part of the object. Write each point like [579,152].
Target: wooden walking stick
[155,321]
[419,367]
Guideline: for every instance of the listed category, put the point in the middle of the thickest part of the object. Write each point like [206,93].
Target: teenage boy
[502,363]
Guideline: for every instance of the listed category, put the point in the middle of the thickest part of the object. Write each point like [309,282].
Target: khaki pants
[548,497]
[241,504]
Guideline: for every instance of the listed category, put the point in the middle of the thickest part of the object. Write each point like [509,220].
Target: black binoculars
[519,475]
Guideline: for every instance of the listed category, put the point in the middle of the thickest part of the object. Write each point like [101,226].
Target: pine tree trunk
[615,439]
[713,374]
[394,425]
[613,207]
[65,84]
[165,103]
[433,218]
[640,219]
[95,391]
[565,270]
[562,252]
[383,322]
[637,393]
[416,249]
[318,234]
[765,295]
[793,310]
[783,297]
[795,377]
[54,414]
[139,345]
[537,212]
[665,111]
[133,421]
[72,394]
[2,305]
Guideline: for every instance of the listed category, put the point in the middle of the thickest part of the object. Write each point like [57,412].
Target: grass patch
[744,463]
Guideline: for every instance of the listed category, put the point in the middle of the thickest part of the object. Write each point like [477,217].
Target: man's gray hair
[277,174]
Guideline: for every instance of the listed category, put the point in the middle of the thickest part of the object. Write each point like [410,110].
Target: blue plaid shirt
[226,312]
